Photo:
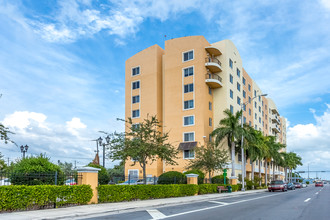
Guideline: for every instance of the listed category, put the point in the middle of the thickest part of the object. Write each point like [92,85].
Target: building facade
[187,86]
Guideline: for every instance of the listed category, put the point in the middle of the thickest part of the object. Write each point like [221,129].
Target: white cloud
[23,119]
[325,3]
[74,125]
[312,141]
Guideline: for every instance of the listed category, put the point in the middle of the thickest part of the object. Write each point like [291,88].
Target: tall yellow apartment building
[187,86]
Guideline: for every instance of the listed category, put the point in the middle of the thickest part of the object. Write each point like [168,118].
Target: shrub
[104,176]
[207,188]
[118,193]
[172,177]
[219,179]
[201,175]
[307,182]
[27,197]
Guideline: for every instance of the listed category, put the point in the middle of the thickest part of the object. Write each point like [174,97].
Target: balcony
[213,64]
[274,110]
[276,119]
[213,50]
[213,80]
[276,128]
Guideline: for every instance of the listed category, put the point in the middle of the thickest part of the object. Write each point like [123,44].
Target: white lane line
[155,214]
[223,203]
[317,193]
[217,206]
[307,200]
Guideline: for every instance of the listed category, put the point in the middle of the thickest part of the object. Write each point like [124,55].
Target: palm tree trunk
[252,174]
[286,174]
[259,172]
[233,158]
[266,167]
[273,171]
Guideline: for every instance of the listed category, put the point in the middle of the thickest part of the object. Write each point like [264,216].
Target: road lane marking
[317,193]
[223,203]
[307,200]
[155,214]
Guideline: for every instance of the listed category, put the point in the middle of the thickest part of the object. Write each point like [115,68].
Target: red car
[277,185]
[297,185]
[319,183]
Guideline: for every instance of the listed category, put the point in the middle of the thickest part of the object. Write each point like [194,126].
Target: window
[238,100]
[250,123]
[263,124]
[244,94]
[210,121]
[188,55]
[255,127]
[188,120]
[259,119]
[249,99]
[244,120]
[136,85]
[189,154]
[255,116]
[231,109]
[238,72]
[255,93]
[230,63]
[265,116]
[238,87]
[231,93]
[249,111]
[210,106]
[239,157]
[136,113]
[190,136]
[136,126]
[231,78]
[262,113]
[259,98]
[265,106]
[188,104]
[188,71]
[243,81]
[255,104]
[136,71]
[189,88]
[259,109]
[136,99]
[210,91]
[244,107]
[249,87]
[262,103]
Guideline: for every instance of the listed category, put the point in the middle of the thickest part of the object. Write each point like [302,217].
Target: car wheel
[283,190]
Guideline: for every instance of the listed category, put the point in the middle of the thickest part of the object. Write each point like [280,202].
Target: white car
[304,185]
[5,182]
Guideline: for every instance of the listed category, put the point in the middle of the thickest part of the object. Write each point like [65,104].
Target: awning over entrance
[187,145]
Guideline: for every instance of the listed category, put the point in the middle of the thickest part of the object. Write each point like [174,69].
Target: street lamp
[99,141]
[242,142]
[24,150]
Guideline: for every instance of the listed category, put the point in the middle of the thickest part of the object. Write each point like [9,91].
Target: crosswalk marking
[155,214]
[307,200]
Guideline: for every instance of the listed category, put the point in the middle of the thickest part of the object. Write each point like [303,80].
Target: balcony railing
[213,64]
[212,60]
[213,80]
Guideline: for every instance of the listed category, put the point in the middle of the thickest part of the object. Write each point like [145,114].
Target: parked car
[277,185]
[319,183]
[130,182]
[297,185]
[5,182]
[291,186]
[303,185]
[149,181]
[70,182]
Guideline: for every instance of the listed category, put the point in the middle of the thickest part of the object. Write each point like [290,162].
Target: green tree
[144,143]
[4,131]
[3,165]
[230,128]
[104,176]
[209,158]
[67,168]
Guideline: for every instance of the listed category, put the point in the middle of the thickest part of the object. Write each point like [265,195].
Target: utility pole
[8,161]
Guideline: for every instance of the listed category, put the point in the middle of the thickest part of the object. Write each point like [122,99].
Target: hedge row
[36,197]
[118,193]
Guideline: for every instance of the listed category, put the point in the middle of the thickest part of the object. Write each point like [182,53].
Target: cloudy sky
[62,65]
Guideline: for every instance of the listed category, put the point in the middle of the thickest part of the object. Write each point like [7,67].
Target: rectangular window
[255,93]
[189,154]
[238,100]
[255,127]
[259,119]
[231,109]
[136,71]
[210,91]
[136,113]
[189,88]
[249,99]
[239,157]
[255,116]
[230,63]
[266,107]
[231,93]
[187,137]
[263,123]
[259,109]
[210,121]
[262,103]
[255,104]
[136,85]
[259,98]
[249,111]
[188,120]
[265,116]
[188,71]
[238,87]
[210,106]
[188,55]
[249,87]
[250,123]
[136,126]
[231,78]
[244,120]
[244,107]
[188,104]
[244,94]
[238,72]
[243,81]
[136,99]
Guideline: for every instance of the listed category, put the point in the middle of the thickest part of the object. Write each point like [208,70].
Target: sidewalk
[99,209]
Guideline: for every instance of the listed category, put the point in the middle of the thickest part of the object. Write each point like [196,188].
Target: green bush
[219,179]
[201,175]
[118,193]
[307,182]
[104,176]
[172,177]
[28,197]
[207,188]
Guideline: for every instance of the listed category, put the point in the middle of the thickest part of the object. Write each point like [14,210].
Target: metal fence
[52,178]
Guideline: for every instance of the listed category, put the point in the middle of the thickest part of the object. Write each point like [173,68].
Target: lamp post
[24,150]
[242,142]
[99,140]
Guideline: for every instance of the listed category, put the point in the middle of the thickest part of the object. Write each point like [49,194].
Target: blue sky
[62,65]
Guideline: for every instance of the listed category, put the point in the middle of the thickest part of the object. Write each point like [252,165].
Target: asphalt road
[308,203]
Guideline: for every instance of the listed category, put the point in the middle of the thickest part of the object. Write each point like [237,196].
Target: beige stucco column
[192,179]
[233,180]
[89,176]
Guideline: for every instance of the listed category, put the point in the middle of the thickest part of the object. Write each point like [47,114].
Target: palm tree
[291,161]
[253,147]
[272,152]
[229,128]
[277,158]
